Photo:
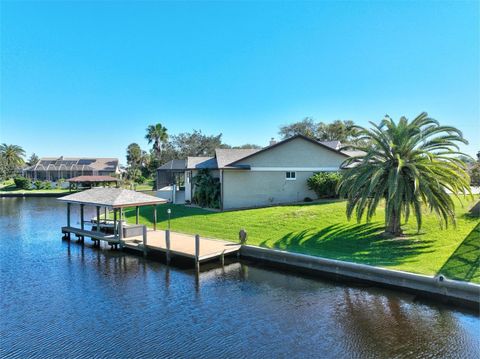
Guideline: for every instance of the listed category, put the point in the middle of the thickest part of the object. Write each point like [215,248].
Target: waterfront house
[55,168]
[275,174]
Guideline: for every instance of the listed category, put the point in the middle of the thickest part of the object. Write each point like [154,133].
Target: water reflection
[70,299]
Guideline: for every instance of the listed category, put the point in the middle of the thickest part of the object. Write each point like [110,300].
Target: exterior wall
[298,153]
[265,183]
[263,188]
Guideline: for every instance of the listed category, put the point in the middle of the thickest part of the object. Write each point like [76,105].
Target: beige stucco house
[276,174]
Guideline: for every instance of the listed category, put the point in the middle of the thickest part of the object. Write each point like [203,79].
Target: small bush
[324,184]
[307,199]
[38,184]
[47,185]
[22,182]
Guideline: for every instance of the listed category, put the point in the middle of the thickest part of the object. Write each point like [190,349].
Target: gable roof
[201,163]
[112,197]
[226,156]
[288,140]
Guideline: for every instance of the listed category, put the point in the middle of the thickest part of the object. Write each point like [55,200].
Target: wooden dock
[170,243]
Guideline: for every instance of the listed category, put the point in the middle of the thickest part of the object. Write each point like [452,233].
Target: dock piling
[167,243]
[144,241]
[197,252]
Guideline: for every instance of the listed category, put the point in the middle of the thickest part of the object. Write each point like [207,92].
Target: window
[290,176]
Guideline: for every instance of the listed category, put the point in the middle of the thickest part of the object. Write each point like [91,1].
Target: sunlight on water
[65,300]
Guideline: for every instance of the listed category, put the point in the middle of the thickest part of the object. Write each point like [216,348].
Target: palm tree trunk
[393,225]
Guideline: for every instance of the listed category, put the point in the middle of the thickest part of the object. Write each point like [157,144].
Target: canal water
[61,300]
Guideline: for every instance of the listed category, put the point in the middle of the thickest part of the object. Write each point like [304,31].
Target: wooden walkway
[182,245]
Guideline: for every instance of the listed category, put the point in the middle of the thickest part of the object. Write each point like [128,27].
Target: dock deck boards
[183,245]
[180,244]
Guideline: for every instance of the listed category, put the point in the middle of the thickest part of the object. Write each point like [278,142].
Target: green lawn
[322,229]
[9,187]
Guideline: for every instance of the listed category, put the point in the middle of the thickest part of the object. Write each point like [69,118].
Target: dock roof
[113,198]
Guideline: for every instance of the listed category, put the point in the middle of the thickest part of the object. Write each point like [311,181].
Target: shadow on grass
[464,263]
[178,211]
[361,243]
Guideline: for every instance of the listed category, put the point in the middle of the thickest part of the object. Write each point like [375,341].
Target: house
[275,174]
[55,168]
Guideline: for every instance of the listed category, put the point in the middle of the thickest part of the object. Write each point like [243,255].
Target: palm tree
[158,135]
[410,165]
[12,158]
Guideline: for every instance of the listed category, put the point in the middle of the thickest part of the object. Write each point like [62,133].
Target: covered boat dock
[118,233]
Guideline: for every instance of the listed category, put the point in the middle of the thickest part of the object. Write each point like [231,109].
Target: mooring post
[154,217]
[137,214]
[197,252]
[222,258]
[120,230]
[82,220]
[68,219]
[144,240]
[115,222]
[98,218]
[167,243]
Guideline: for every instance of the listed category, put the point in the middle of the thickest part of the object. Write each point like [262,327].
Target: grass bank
[321,229]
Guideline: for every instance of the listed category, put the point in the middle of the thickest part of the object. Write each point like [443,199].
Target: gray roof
[332,144]
[201,163]
[112,197]
[227,156]
[174,165]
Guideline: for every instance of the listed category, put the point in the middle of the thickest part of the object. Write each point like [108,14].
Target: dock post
[120,230]
[82,220]
[137,214]
[144,240]
[115,222]
[197,252]
[154,217]
[98,218]
[222,258]
[167,243]
[68,218]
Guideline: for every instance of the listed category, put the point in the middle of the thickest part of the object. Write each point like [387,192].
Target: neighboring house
[55,168]
[276,174]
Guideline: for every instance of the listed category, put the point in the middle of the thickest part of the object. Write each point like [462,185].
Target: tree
[12,159]
[343,131]
[135,156]
[306,127]
[408,164]
[33,160]
[196,144]
[158,135]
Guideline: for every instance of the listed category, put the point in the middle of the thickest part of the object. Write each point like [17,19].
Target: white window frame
[289,173]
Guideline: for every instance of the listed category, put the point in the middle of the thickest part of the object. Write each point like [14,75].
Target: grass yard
[321,229]
[9,187]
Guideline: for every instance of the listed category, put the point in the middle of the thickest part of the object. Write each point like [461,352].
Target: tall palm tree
[158,135]
[12,158]
[410,165]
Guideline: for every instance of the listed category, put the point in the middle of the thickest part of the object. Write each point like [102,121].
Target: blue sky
[86,78]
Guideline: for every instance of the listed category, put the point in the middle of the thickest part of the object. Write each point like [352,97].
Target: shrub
[307,199]
[324,184]
[206,190]
[22,182]
[60,183]
[47,185]
[38,184]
